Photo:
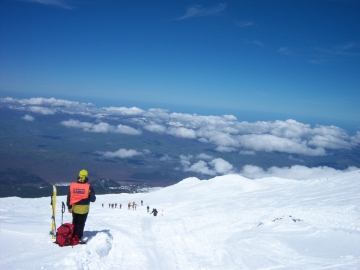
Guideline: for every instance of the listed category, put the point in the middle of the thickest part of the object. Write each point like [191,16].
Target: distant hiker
[141,202]
[81,193]
[120,205]
[129,204]
[102,205]
[154,211]
[115,205]
[148,207]
[109,205]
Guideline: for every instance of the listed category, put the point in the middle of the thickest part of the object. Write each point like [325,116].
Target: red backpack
[64,235]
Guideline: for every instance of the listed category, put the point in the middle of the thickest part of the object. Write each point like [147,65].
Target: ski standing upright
[53,206]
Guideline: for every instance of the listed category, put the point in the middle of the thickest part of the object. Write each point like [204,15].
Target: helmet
[83,174]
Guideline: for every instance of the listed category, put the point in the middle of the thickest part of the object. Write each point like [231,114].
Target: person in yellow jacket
[81,193]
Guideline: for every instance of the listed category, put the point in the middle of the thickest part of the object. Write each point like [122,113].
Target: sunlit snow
[228,222]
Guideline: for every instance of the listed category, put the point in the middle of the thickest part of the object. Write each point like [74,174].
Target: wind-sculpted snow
[92,258]
[228,222]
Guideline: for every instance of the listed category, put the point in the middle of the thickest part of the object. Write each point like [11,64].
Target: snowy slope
[228,222]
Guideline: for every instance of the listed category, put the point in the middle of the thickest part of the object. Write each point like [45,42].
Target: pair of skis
[53,206]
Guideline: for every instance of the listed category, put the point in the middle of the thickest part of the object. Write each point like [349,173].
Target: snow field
[227,222]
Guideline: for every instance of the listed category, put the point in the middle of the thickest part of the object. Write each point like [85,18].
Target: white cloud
[229,130]
[287,129]
[101,127]
[213,167]
[329,130]
[204,156]
[155,128]
[184,157]
[224,133]
[222,166]
[165,157]
[156,113]
[7,100]
[127,130]
[225,149]
[228,117]
[77,124]
[41,110]
[121,153]
[329,141]
[270,143]
[200,167]
[185,160]
[197,11]
[295,172]
[28,118]
[58,3]
[175,124]
[182,132]
[125,111]
[49,106]
[245,23]
[43,102]
[203,140]
[295,158]
[218,138]
[228,135]
[355,139]
[244,152]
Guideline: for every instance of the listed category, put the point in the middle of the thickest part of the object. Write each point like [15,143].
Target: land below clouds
[47,150]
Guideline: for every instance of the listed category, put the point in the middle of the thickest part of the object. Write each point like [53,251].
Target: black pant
[79,224]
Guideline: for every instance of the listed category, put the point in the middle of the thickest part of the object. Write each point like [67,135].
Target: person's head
[83,176]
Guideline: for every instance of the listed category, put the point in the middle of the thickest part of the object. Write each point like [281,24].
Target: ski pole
[62,211]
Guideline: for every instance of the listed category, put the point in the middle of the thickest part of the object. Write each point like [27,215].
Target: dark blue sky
[258,60]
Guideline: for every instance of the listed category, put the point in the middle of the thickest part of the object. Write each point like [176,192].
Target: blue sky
[259,60]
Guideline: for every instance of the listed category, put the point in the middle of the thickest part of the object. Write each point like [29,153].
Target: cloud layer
[219,166]
[295,172]
[224,134]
